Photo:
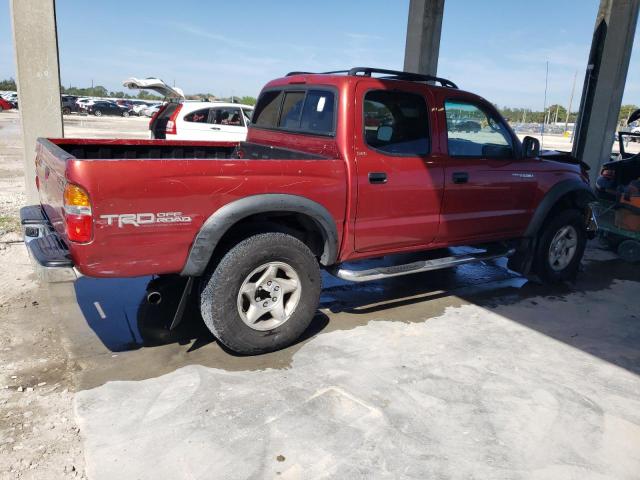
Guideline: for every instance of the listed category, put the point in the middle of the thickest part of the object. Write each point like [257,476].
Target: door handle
[377,177]
[215,128]
[460,177]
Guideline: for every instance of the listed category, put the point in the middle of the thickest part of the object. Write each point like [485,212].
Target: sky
[496,48]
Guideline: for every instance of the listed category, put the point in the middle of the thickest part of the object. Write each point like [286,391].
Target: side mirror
[385,132]
[530,147]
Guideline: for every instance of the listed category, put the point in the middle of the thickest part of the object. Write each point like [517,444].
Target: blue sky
[497,48]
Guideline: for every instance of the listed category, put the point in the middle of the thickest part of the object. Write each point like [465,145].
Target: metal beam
[423,36]
[604,81]
[35,41]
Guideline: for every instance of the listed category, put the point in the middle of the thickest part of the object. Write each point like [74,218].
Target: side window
[473,133]
[267,109]
[318,112]
[226,116]
[199,116]
[248,113]
[306,111]
[396,122]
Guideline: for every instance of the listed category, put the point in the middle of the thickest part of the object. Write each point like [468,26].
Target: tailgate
[51,163]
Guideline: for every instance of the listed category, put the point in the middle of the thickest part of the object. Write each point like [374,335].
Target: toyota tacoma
[337,167]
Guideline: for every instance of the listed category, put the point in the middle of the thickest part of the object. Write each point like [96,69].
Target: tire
[566,264]
[125,114]
[236,320]
[66,111]
[629,251]
[97,113]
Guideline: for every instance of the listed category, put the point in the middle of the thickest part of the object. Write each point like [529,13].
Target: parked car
[470,126]
[138,108]
[5,105]
[181,119]
[69,104]
[84,103]
[193,120]
[107,108]
[150,110]
[312,187]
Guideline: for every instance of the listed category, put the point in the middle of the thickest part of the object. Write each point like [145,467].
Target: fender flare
[556,192]
[214,228]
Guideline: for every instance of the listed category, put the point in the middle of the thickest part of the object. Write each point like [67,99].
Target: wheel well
[298,225]
[575,199]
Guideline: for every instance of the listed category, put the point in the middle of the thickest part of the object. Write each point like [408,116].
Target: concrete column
[35,42]
[604,82]
[423,36]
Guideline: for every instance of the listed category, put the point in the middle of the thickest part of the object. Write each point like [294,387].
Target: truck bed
[157,179]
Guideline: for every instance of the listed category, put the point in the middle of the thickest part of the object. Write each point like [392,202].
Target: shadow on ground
[611,333]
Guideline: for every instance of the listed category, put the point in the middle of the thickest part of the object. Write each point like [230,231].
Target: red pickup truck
[337,167]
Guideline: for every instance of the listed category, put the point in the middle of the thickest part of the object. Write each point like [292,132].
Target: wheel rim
[269,295]
[563,248]
[98,113]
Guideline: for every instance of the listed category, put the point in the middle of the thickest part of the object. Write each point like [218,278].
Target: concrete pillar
[423,36]
[604,82]
[35,42]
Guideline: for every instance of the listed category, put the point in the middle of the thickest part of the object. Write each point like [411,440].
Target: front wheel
[263,294]
[97,113]
[561,246]
[125,114]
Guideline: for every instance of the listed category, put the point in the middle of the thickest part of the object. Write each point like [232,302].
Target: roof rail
[389,75]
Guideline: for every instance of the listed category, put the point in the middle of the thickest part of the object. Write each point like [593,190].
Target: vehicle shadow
[117,310]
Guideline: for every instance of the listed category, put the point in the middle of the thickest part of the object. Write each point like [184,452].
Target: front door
[399,182]
[488,190]
[228,124]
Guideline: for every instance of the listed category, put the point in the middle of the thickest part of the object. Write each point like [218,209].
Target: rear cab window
[299,110]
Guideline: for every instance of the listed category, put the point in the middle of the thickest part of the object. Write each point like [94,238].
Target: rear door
[489,190]
[399,181]
[195,125]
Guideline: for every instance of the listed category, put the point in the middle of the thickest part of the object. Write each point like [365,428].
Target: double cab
[337,167]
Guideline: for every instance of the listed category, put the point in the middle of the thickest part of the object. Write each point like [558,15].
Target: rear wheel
[263,294]
[629,251]
[561,246]
[125,114]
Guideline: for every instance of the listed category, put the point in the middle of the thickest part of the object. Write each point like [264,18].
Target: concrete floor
[465,373]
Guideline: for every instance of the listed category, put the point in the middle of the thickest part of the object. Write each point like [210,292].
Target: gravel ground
[38,435]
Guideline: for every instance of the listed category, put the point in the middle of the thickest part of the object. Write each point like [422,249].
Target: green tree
[625,111]
[246,100]
[8,84]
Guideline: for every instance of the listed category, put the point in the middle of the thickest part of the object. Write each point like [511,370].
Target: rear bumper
[48,252]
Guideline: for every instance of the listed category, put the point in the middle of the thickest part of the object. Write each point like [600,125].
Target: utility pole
[546,85]
[38,79]
[573,89]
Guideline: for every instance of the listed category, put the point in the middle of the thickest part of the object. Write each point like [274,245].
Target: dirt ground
[38,436]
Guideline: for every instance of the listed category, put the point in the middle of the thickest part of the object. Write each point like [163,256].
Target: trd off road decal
[140,219]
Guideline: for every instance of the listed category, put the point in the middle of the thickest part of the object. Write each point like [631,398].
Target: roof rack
[389,75]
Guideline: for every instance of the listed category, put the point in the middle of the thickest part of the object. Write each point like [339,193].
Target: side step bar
[379,273]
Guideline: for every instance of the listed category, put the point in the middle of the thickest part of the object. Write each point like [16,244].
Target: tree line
[100,91]
[554,113]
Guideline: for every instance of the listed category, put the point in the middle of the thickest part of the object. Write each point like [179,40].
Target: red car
[336,168]
[4,105]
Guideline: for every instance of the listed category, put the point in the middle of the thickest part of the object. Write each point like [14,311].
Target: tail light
[171,123]
[77,214]
[156,115]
